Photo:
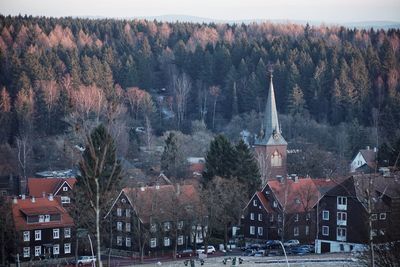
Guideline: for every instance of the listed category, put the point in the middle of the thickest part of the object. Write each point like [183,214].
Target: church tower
[270,146]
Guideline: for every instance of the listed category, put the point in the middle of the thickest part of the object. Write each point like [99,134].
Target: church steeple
[271,130]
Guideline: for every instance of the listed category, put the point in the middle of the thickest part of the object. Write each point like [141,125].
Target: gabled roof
[41,206]
[156,201]
[324,185]
[264,201]
[299,196]
[36,186]
[368,155]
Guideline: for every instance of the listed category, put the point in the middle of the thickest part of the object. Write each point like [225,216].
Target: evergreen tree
[171,158]
[220,159]
[246,169]
[100,176]
[297,104]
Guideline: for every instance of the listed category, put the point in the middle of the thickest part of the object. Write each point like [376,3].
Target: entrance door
[325,247]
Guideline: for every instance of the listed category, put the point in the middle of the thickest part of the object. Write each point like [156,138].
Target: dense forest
[337,88]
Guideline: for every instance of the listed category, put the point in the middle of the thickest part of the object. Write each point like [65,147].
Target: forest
[337,89]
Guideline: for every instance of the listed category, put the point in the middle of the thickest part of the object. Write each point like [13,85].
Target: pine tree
[169,157]
[297,104]
[100,175]
[246,169]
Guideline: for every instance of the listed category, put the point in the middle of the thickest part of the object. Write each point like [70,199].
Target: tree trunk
[100,264]
[76,250]
[226,236]
[215,105]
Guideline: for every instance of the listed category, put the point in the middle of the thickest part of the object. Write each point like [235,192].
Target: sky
[309,10]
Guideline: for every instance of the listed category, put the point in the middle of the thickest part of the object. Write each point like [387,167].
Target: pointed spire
[271,114]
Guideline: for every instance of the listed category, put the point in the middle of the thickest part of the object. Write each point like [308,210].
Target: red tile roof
[264,201]
[298,196]
[41,206]
[156,200]
[36,186]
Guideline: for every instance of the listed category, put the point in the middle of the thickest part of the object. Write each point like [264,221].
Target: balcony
[342,206]
[341,222]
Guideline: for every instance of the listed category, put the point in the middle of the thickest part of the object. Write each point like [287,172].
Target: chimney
[33,199]
[296,179]
[142,188]
[51,197]
[23,196]
[15,200]
[157,186]
[375,149]
[178,189]
[279,178]
[367,147]
[43,194]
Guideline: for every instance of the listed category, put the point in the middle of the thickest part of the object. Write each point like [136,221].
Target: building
[270,146]
[44,228]
[284,209]
[364,161]
[9,185]
[59,188]
[345,210]
[155,218]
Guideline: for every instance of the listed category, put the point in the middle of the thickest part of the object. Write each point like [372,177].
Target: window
[325,215]
[280,231]
[342,203]
[382,216]
[65,200]
[119,226]
[374,216]
[153,242]
[27,252]
[128,213]
[128,242]
[255,203]
[47,218]
[180,240]
[38,235]
[56,233]
[67,232]
[276,159]
[67,248]
[41,218]
[296,217]
[297,201]
[119,240]
[252,230]
[307,230]
[341,234]
[167,226]
[27,236]
[56,249]
[325,230]
[341,218]
[38,251]
[260,231]
[260,217]
[296,231]
[119,212]
[127,227]
[271,218]
[275,204]
[279,218]
[166,242]
[153,227]
[308,216]
[374,232]
[252,216]
[65,188]
[180,225]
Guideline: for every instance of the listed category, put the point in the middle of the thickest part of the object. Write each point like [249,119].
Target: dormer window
[65,188]
[41,218]
[47,218]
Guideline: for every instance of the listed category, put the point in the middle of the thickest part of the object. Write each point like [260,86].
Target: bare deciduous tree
[181,86]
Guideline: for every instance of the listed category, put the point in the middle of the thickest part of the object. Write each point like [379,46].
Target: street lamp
[284,251]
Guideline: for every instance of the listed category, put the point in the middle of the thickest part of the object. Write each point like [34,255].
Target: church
[270,146]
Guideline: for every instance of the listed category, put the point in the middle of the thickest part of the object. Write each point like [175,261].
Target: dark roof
[324,185]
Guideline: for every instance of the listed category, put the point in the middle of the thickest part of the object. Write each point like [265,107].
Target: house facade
[364,161]
[345,210]
[155,218]
[284,209]
[44,228]
[59,188]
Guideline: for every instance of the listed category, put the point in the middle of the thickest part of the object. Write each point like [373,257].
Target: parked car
[311,248]
[84,260]
[299,250]
[184,253]
[271,243]
[292,242]
[259,253]
[274,250]
[210,250]
[248,252]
